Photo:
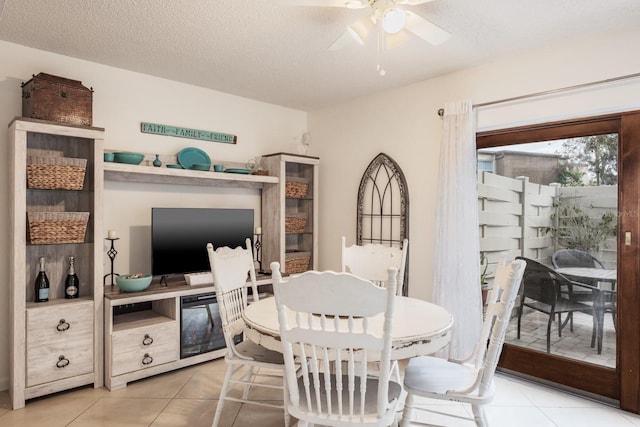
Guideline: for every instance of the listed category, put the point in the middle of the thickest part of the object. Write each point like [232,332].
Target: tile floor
[188,397]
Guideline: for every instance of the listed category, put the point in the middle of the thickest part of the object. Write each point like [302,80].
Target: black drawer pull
[62,362]
[147,360]
[147,340]
[63,325]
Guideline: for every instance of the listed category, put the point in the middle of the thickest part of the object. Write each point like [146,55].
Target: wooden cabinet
[146,342]
[67,331]
[40,346]
[290,213]
[143,341]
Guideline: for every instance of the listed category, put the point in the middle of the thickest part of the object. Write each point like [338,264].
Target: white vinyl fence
[515,213]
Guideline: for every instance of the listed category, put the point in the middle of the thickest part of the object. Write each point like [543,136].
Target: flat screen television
[179,236]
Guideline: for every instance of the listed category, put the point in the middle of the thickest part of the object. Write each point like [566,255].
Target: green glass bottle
[42,284]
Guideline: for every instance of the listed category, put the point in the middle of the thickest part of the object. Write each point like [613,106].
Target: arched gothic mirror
[383,206]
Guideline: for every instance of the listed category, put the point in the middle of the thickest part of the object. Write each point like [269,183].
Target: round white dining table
[419,327]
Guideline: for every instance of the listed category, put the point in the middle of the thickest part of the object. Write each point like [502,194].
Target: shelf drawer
[59,342]
[144,347]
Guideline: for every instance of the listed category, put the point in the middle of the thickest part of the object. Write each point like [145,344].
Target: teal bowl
[200,167]
[128,283]
[109,157]
[128,158]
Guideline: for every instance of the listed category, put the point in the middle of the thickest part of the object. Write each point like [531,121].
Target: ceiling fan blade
[356,32]
[395,40]
[351,4]
[345,40]
[426,30]
[360,29]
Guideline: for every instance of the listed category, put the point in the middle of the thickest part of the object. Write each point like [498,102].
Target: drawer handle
[147,340]
[147,360]
[63,325]
[62,362]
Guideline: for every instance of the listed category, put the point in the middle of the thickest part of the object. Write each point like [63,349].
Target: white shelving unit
[71,328]
[129,353]
[108,347]
[283,242]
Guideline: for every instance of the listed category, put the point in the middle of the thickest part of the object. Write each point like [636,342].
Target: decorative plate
[190,156]
[244,171]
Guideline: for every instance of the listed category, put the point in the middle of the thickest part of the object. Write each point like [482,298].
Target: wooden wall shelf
[163,175]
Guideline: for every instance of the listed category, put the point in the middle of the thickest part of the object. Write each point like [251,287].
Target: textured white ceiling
[273,51]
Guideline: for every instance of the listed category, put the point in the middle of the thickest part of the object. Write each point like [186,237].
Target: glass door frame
[621,384]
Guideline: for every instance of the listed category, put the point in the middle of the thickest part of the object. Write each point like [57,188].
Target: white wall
[403,124]
[121,100]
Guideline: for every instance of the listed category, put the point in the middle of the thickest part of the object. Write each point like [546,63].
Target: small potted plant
[484,285]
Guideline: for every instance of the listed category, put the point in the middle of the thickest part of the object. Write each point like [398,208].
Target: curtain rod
[550,92]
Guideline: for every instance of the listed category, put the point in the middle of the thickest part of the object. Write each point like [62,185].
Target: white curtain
[456,284]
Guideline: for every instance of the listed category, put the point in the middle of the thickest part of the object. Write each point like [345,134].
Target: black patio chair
[574,258]
[547,291]
[578,258]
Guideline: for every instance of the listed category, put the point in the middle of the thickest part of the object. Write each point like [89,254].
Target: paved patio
[574,345]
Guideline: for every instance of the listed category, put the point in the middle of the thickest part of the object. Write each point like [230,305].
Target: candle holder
[258,246]
[112,256]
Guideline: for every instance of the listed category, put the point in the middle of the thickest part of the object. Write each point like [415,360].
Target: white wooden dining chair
[248,364]
[372,261]
[471,380]
[327,324]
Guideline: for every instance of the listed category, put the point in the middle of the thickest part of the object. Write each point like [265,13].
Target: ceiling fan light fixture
[393,20]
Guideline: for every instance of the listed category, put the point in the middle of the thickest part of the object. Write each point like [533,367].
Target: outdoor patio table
[599,274]
[602,277]
[419,327]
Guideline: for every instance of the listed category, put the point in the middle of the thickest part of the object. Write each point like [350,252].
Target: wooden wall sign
[203,135]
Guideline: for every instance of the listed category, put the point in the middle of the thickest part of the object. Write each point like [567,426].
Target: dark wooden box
[57,99]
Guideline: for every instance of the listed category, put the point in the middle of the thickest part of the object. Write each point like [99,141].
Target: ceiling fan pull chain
[379,67]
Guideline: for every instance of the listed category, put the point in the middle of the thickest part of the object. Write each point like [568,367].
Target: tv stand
[290,229]
[127,358]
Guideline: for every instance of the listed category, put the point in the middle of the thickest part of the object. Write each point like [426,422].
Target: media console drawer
[144,347]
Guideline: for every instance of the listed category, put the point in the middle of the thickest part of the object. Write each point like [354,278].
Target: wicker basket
[295,224]
[56,227]
[296,188]
[55,173]
[297,262]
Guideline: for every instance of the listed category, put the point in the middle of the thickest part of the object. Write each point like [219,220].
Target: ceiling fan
[394,22]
